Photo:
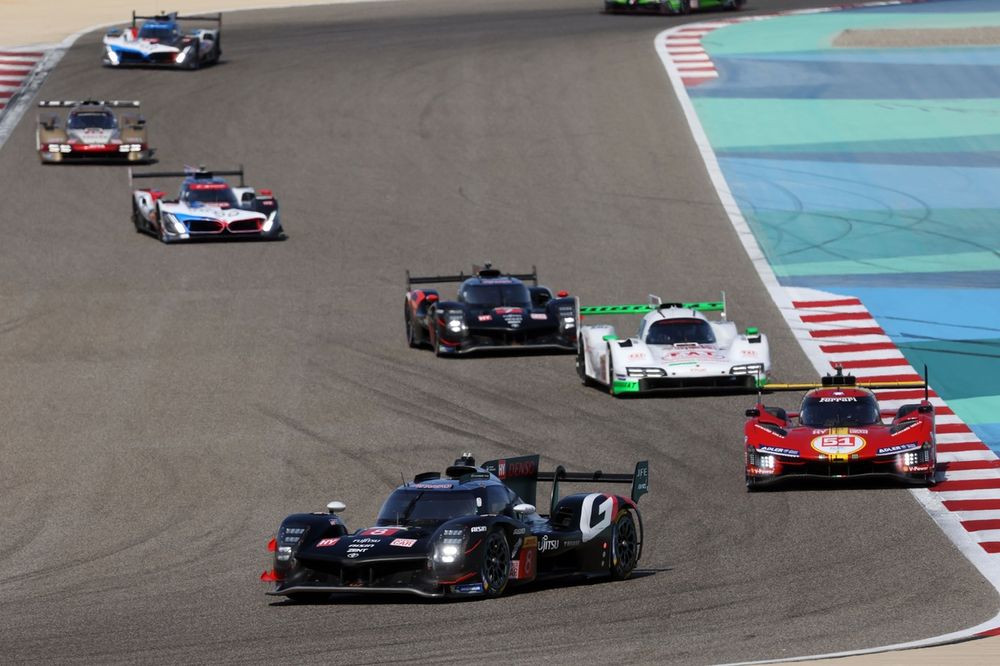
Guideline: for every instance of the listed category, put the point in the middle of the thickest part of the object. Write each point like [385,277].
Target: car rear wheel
[581,365]
[684,7]
[495,567]
[624,546]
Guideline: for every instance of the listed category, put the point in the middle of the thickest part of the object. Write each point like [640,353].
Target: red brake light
[432,297]
[272,545]
[266,193]
[563,293]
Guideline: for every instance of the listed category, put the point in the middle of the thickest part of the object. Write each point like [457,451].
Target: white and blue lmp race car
[206,208]
[677,348]
[159,41]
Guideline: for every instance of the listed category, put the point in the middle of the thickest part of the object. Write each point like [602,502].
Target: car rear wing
[521,475]
[174,16]
[840,379]
[476,272]
[66,103]
[198,174]
[655,303]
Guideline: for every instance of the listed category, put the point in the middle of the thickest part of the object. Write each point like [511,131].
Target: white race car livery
[676,348]
[205,208]
[159,41]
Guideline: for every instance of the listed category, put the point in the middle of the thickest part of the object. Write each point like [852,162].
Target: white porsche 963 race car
[677,348]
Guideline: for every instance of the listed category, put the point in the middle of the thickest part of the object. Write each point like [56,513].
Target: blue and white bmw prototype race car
[206,207]
[677,348]
[159,41]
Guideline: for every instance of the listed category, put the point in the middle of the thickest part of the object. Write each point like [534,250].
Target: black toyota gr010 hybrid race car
[473,531]
[492,310]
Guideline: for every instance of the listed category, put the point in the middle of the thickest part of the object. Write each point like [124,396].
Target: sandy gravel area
[42,22]
[918,38]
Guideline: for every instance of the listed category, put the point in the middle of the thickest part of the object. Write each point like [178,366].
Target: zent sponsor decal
[403,543]
[602,512]
[324,543]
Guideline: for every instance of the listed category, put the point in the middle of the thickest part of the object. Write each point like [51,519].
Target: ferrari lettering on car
[834,437]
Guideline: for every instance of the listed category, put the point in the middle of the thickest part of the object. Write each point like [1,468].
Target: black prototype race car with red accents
[473,531]
[493,310]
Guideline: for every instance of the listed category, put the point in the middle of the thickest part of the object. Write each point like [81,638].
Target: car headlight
[289,536]
[747,369]
[53,147]
[450,547]
[647,372]
[180,57]
[176,225]
[269,222]
[124,148]
[456,325]
[112,56]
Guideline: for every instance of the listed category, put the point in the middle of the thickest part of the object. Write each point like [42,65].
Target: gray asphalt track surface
[164,407]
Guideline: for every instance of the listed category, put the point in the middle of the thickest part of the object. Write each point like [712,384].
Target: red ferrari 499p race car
[838,432]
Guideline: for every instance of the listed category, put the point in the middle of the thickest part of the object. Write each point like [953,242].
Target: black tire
[624,546]
[610,8]
[217,51]
[685,7]
[411,336]
[160,229]
[581,365]
[494,570]
[752,484]
[137,219]
[195,62]
[611,373]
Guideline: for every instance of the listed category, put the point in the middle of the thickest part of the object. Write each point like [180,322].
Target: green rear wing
[521,475]
[655,303]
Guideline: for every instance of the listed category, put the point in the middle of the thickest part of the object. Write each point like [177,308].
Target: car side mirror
[248,197]
[336,506]
[753,413]
[524,507]
[925,409]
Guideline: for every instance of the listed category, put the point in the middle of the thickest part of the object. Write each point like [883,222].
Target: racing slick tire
[217,50]
[195,62]
[411,335]
[684,7]
[137,219]
[611,373]
[753,485]
[581,366]
[624,546]
[494,570]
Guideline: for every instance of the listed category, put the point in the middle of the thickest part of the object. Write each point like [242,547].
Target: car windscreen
[678,331]
[839,412]
[157,32]
[215,194]
[509,294]
[104,120]
[426,507]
